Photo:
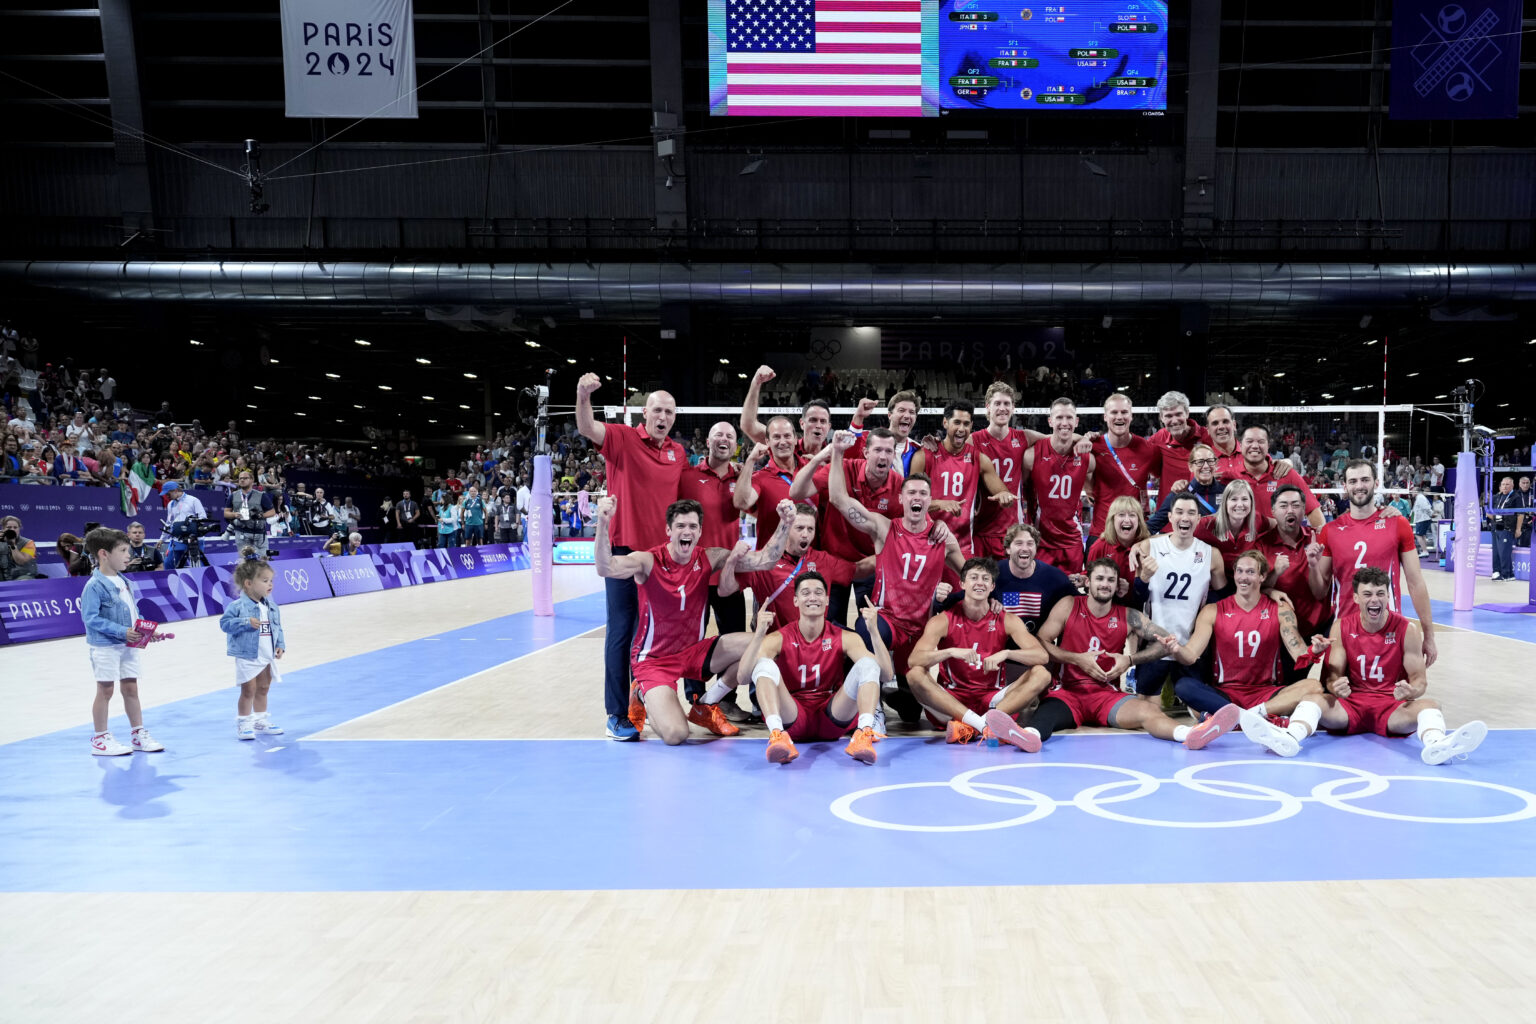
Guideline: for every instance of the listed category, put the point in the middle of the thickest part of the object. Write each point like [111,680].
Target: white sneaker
[879,725]
[105,746]
[1455,744]
[1495,577]
[265,726]
[1261,731]
[245,728]
[142,740]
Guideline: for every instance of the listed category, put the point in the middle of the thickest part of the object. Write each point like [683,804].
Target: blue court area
[286,814]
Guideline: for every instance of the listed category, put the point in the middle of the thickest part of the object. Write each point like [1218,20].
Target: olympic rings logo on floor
[1099,800]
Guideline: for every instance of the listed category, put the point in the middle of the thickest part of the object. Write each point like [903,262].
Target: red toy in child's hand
[146,629]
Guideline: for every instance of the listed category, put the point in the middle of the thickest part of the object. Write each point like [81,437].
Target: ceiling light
[742,376]
[272,361]
[428,398]
[1358,387]
[1503,405]
[1415,373]
[1280,374]
[314,398]
[1372,341]
[357,407]
[724,361]
[360,341]
[463,407]
[470,376]
[250,407]
[571,361]
[606,377]
[424,361]
[338,421]
[531,343]
[334,376]
[431,421]
[1327,395]
[250,421]
[1464,359]
[385,387]
[300,414]
[508,387]
[258,387]
[194,341]
[1439,396]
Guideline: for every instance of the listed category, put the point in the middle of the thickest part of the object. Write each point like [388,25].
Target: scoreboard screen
[918,58]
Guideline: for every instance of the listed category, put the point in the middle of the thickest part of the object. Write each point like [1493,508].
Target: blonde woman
[1235,527]
[1125,526]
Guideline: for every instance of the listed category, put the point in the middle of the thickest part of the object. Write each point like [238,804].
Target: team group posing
[960,561]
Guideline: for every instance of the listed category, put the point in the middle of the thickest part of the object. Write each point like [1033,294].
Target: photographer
[142,557]
[179,507]
[322,515]
[248,512]
[18,554]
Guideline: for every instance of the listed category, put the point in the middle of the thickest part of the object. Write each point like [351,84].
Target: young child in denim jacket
[254,629]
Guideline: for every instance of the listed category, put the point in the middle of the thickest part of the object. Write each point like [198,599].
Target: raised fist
[606,506]
[866,406]
[786,510]
[589,383]
[843,440]
[764,374]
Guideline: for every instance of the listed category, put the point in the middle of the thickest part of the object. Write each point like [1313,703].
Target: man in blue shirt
[1025,587]
[472,513]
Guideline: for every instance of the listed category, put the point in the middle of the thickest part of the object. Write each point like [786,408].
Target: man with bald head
[711,484]
[644,468]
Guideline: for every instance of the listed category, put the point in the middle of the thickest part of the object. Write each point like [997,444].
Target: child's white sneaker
[265,727]
[103,745]
[142,740]
[245,728]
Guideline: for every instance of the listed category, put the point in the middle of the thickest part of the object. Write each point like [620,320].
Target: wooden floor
[1459,949]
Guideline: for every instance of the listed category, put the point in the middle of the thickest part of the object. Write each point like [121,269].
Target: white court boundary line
[317,738]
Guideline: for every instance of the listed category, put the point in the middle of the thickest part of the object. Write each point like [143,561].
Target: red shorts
[692,662]
[1067,557]
[991,545]
[903,639]
[1091,707]
[815,722]
[1369,712]
[1248,695]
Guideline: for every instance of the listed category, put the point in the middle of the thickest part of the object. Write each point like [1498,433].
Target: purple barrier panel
[397,545]
[351,574]
[298,580]
[174,596]
[462,563]
[430,566]
[394,568]
[488,558]
[41,609]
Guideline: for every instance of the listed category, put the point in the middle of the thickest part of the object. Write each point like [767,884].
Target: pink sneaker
[1213,726]
[1008,731]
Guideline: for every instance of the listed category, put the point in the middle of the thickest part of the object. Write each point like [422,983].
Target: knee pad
[865,670]
[767,667]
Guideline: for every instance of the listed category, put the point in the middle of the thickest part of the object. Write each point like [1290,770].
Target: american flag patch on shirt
[1025,605]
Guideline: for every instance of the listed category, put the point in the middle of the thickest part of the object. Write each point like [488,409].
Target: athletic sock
[717,692]
[1180,732]
[1431,725]
[1304,719]
[867,721]
[1260,710]
[773,722]
[974,720]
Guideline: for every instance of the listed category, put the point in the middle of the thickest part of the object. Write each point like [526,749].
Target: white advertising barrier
[349,58]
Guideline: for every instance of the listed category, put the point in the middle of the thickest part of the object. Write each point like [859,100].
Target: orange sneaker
[781,749]
[958,732]
[862,746]
[637,711]
[709,716]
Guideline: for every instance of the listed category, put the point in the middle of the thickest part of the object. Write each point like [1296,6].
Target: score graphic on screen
[913,58]
[1081,54]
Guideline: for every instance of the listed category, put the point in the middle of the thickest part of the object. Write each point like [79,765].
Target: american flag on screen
[830,57]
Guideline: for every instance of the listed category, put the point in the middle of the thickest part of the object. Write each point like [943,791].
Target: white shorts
[115,662]
[247,669]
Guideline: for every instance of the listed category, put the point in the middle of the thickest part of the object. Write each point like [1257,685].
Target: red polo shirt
[1310,612]
[1264,488]
[722,523]
[772,486]
[643,475]
[1175,453]
[842,538]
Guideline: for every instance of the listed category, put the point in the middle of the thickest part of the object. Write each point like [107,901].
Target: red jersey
[1121,472]
[907,571]
[1264,488]
[1007,455]
[643,476]
[840,537]
[1310,612]
[1057,485]
[986,636]
[772,486]
[812,669]
[775,586]
[1174,454]
[1375,660]
[1377,541]
[1233,546]
[1247,643]
[1085,631]
[956,478]
[722,523]
[674,600]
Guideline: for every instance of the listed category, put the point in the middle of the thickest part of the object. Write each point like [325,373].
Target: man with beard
[773,586]
[1024,585]
[902,408]
[1285,545]
[1366,537]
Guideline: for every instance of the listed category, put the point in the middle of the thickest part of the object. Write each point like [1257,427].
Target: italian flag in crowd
[138,485]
